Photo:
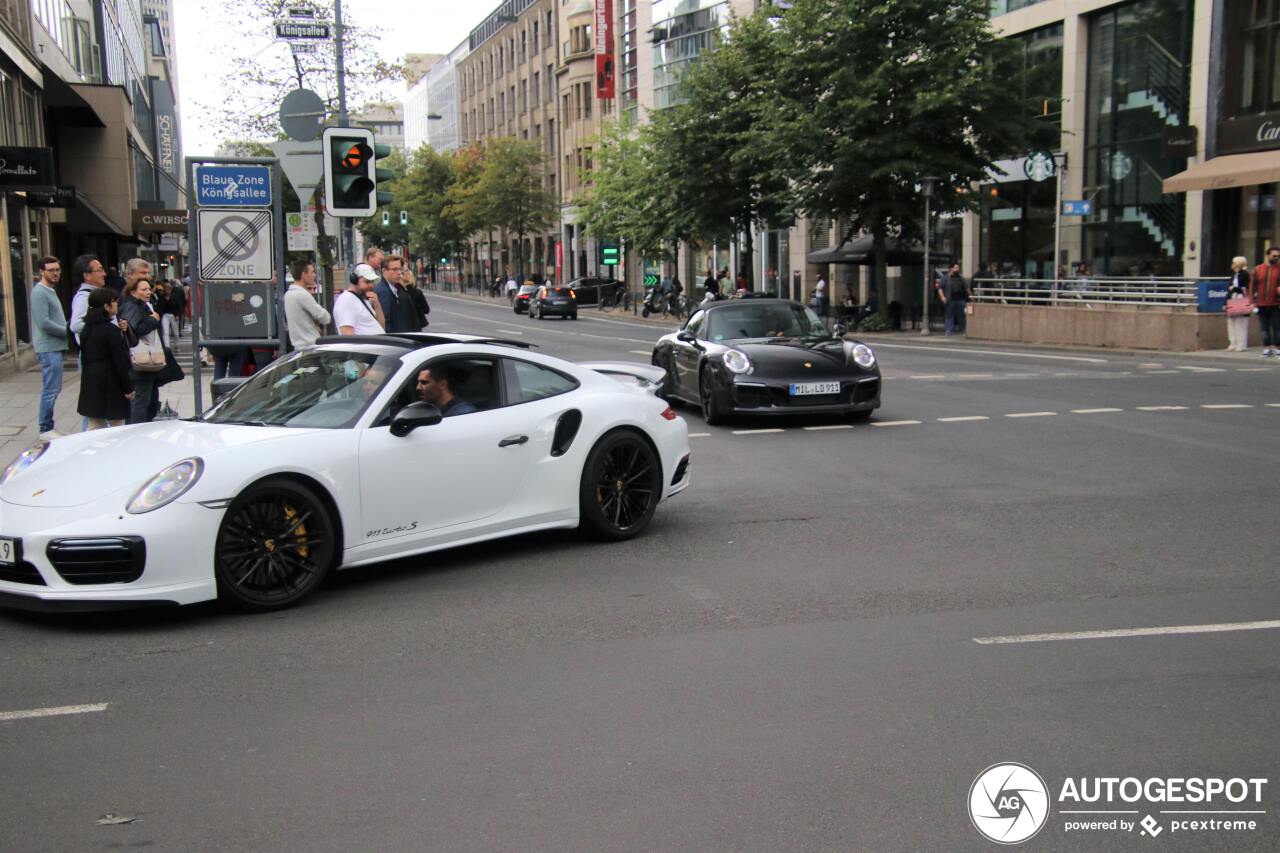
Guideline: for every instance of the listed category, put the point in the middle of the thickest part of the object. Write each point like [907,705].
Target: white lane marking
[1094,411]
[699,435]
[975,376]
[1130,632]
[1151,365]
[1031,415]
[1021,375]
[1066,374]
[1200,369]
[1253,370]
[640,352]
[929,376]
[1226,406]
[996,352]
[1162,408]
[756,431]
[827,427]
[963,419]
[893,423]
[52,712]
[1272,405]
[615,338]
[508,331]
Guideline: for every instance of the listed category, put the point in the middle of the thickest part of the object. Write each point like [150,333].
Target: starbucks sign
[1039,166]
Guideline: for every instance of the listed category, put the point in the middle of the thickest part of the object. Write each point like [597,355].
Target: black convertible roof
[418,340]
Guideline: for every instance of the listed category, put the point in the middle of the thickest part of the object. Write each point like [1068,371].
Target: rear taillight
[574,295]
[669,413]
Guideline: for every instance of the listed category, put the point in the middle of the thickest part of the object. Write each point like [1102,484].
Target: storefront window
[1138,85]
[1017,229]
[1253,57]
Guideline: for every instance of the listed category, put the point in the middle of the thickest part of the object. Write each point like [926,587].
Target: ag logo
[1008,803]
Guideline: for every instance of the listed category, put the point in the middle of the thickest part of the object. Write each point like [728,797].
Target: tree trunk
[880,276]
[745,262]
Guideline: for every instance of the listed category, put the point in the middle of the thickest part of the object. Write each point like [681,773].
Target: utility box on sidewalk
[1211,297]
[239,310]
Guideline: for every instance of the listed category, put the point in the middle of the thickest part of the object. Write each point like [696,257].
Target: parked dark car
[553,301]
[767,357]
[523,295]
[591,289]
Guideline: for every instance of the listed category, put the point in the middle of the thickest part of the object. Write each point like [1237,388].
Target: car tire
[620,488]
[277,542]
[573,316]
[712,412]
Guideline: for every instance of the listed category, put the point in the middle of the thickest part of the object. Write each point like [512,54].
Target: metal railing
[1089,292]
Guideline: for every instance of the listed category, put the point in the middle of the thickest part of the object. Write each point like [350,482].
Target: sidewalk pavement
[20,401]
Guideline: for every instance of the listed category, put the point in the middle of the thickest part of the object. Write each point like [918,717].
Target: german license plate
[801,389]
[8,551]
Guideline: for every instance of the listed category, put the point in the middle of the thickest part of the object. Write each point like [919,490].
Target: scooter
[652,302]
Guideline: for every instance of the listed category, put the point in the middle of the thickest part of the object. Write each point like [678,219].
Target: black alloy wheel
[712,412]
[621,486]
[276,544]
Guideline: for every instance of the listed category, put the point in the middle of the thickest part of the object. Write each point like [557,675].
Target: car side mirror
[412,416]
[840,330]
[685,336]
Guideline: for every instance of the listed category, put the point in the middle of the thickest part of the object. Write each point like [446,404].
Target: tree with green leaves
[875,95]
[393,233]
[713,149]
[424,193]
[504,187]
[262,69]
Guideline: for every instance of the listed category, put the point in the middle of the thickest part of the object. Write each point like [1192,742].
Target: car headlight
[737,361]
[24,461]
[167,486]
[863,356]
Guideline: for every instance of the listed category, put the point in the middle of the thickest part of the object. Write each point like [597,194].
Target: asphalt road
[786,660]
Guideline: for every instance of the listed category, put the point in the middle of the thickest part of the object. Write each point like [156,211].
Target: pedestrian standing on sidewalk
[49,340]
[353,313]
[421,308]
[306,317]
[954,291]
[1265,290]
[135,270]
[143,320]
[90,273]
[178,297]
[1238,289]
[106,378]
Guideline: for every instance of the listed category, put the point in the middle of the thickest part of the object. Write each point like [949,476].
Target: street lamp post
[927,188]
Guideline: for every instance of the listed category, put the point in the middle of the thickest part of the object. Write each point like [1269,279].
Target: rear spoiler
[647,376]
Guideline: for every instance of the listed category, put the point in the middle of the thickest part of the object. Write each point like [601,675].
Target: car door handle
[513,439]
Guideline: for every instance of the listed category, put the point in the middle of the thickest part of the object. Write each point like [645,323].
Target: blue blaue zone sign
[1077,208]
[233,186]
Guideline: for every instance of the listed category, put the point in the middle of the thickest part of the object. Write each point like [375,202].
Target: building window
[537,85]
[535,37]
[1253,57]
[1139,78]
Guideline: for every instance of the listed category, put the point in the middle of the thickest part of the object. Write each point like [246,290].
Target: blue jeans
[227,363]
[955,316]
[50,386]
[144,393]
[1269,320]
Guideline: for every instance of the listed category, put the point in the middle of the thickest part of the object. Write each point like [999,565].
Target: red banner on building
[604,49]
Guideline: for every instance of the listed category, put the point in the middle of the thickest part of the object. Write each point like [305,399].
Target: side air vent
[566,432]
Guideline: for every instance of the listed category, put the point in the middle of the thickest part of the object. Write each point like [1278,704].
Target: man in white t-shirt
[352,312]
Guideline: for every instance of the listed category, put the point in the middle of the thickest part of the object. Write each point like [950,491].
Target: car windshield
[764,320]
[311,388]
[527,289]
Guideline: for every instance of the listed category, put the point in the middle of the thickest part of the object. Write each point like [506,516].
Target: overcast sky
[408,26]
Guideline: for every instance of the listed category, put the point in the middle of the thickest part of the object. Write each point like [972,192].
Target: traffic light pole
[346,226]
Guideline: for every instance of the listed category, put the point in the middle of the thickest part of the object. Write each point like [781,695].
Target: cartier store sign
[1254,133]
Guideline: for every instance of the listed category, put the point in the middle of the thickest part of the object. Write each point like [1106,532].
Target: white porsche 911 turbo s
[332,457]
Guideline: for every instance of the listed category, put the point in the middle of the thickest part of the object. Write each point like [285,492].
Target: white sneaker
[50,435]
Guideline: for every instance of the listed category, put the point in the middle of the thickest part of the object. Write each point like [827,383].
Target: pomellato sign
[1254,133]
[26,168]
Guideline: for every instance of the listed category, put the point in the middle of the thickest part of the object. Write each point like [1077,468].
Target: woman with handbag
[147,357]
[1239,306]
[106,380]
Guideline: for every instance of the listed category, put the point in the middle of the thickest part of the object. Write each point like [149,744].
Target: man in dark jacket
[397,305]
[1265,290]
[954,291]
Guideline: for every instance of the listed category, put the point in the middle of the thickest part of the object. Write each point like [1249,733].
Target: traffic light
[610,254]
[350,187]
[404,217]
[386,218]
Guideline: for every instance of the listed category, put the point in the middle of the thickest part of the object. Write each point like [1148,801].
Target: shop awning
[1234,170]
[75,110]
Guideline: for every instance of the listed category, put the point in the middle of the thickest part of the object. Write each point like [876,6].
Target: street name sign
[235,245]
[301,30]
[233,186]
[1076,208]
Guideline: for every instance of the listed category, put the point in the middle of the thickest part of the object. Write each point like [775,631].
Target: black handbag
[172,371]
